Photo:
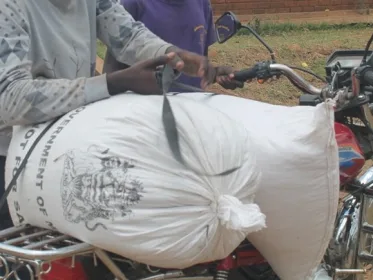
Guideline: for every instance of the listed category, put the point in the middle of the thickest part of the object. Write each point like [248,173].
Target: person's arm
[129,41]
[134,7]
[110,63]
[24,99]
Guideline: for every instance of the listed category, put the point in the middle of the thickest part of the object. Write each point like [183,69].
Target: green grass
[101,49]
[272,28]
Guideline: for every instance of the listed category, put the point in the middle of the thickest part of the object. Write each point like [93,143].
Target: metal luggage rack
[36,248]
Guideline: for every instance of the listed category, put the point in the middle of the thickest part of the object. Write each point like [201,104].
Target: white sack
[298,155]
[109,166]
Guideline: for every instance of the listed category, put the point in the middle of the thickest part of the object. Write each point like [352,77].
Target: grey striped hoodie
[48,54]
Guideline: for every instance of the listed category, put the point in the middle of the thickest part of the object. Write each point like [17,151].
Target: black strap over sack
[166,78]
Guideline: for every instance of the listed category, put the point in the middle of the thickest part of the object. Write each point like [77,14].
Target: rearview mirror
[226,26]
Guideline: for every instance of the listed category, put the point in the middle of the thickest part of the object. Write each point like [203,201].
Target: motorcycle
[47,254]
[349,82]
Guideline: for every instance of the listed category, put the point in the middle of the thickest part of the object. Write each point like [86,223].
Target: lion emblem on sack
[97,186]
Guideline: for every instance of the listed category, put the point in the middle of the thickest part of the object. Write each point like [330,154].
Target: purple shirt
[187,24]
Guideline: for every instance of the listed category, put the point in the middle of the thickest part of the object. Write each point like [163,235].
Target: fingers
[204,84]
[176,62]
[228,83]
[203,67]
[209,74]
[160,61]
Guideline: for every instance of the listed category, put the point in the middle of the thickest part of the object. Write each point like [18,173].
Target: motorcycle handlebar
[298,80]
[246,74]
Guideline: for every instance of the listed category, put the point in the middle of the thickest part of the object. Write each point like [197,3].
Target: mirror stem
[272,54]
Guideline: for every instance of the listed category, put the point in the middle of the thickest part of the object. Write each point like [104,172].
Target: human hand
[193,65]
[225,78]
[140,77]
[196,65]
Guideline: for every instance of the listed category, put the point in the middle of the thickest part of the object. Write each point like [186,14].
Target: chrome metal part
[365,249]
[296,78]
[171,275]
[342,250]
[36,249]
[367,178]
[351,247]
[103,256]
[350,271]
[50,255]
[341,97]
[367,113]
[4,263]
[151,270]
[221,275]
[365,239]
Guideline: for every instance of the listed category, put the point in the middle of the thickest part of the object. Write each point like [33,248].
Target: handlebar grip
[368,77]
[247,74]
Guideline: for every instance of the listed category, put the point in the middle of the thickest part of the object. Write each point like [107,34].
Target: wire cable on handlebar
[308,72]
[366,50]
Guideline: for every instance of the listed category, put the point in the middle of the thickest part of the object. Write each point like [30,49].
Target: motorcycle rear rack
[36,248]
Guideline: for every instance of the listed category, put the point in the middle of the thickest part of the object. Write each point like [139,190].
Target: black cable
[23,163]
[366,50]
[308,72]
[257,36]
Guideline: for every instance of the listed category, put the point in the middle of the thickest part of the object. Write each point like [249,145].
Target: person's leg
[5,220]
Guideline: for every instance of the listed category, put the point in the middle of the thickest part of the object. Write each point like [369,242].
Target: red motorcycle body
[351,161]
[351,158]
[66,270]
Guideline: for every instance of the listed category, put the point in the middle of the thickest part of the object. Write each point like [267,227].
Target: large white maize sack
[299,190]
[105,174]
